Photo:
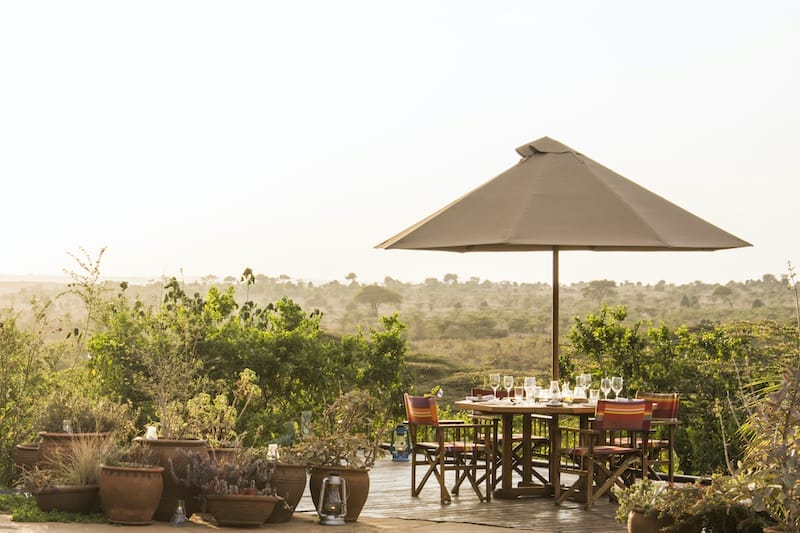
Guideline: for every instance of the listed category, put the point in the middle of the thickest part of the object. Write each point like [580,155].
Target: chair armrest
[665,422]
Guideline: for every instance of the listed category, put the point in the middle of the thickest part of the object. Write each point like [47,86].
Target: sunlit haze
[292,137]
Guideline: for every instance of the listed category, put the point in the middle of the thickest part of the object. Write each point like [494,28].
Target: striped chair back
[421,410]
[634,415]
[666,407]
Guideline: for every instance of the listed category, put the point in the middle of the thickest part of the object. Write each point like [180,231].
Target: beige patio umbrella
[557,199]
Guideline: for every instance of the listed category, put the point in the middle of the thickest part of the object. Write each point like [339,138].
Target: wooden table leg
[555,456]
[506,466]
[507,490]
[527,451]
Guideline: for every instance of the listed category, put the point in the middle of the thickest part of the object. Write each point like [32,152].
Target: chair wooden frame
[455,446]
[597,465]
[664,423]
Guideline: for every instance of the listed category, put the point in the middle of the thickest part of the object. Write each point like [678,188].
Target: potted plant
[714,507]
[131,485]
[238,492]
[68,417]
[68,479]
[642,506]
[168,454]
[289,482]
[345,440]
[652,506]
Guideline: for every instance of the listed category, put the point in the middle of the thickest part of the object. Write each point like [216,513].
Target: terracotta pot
[166,450]
[222,455]
[130,495]
[53,444]
[240,509]
[357,480]
[26,456]
[70,499]
[289,482]
[639,522]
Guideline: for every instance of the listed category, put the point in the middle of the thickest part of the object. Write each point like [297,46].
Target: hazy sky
[293,136]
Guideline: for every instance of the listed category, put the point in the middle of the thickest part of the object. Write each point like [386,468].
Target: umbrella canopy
[555,198]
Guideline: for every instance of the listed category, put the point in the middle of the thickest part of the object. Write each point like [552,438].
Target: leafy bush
[768,474]
[22,379]
[160,357]
[24,509]
[702,364]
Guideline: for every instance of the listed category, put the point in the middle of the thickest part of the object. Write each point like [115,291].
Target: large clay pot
[26,456]
[54,444]
[130,495]
[289,482]
[166,450]
[69,499]
[222,455]
[240,509]
[639,522]
[357,480]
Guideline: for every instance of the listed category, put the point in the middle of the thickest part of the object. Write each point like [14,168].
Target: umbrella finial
[543,146]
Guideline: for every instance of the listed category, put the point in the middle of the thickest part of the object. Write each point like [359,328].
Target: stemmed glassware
[494,383]
[508,383]
[616,385]
[605,386]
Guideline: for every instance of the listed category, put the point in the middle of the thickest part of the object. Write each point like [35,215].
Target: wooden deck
[390,497]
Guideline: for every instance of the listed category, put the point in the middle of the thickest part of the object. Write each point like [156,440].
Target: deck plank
[390,497]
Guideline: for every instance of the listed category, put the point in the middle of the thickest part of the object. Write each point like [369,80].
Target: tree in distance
[375,295]
[599,290]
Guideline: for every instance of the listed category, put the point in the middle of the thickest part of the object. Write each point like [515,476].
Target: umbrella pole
[555,313]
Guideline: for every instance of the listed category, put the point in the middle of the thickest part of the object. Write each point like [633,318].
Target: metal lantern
[332,506]
[400,444]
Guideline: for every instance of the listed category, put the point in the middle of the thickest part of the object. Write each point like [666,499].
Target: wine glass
[616,385]
[508,383]
[494,383]
[605,386]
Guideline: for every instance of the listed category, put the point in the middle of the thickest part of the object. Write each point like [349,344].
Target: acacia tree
[599,290]
[375,295]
